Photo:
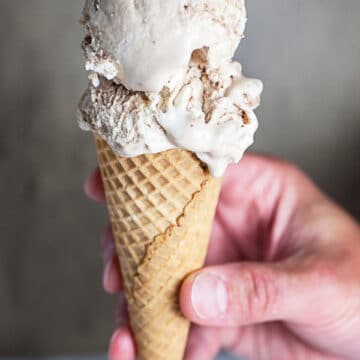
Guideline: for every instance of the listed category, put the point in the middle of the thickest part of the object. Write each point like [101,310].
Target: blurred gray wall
[51,301]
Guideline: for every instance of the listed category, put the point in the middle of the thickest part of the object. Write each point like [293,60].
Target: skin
[284,263]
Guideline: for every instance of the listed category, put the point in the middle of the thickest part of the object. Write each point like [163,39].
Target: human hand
[282,277]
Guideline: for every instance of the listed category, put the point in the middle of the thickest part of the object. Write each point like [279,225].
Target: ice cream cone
[161,208]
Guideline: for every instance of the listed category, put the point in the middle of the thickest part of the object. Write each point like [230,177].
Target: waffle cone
[161,208]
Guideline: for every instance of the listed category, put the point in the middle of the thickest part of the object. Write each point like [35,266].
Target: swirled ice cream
[162,77]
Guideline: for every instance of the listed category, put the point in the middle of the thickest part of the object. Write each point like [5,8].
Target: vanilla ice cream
[162,77]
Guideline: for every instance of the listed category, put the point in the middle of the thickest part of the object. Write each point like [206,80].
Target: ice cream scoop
[146,44]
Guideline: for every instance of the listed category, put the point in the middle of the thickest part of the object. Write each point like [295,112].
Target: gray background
[51,301]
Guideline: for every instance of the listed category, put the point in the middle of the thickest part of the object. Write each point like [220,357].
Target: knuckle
[335,283]
[287,167]
[259,294]
[292,172]
[325,274]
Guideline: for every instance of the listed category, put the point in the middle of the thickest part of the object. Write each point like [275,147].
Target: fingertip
[93,186]
[88,185]
[112,279]
[107,242]
[122,345]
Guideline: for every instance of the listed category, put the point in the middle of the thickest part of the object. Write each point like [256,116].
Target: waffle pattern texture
[161,208]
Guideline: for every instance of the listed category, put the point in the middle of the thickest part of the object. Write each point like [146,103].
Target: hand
[283,271]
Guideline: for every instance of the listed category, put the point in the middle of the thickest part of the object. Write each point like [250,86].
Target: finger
[203,343]
[107,243]
[112,281]
[263,198]
[122,345]
[240,294]
[93,186]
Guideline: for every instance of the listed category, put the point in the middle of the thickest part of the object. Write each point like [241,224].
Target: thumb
[240,294]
